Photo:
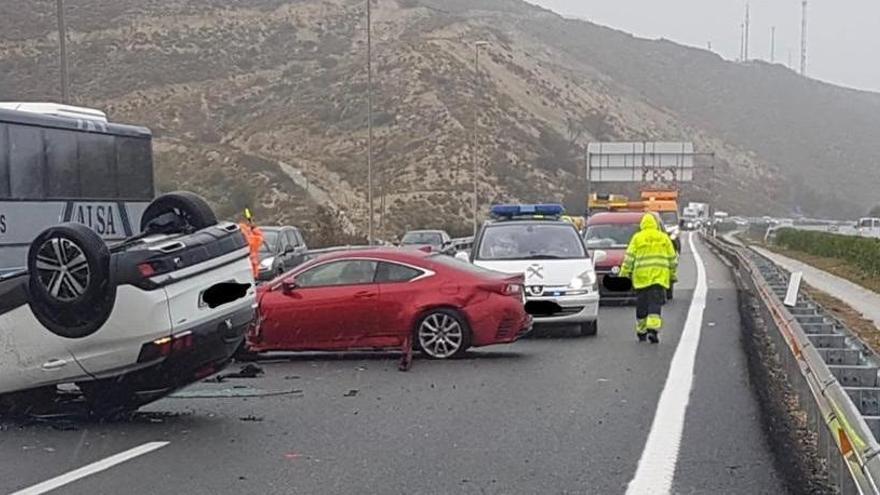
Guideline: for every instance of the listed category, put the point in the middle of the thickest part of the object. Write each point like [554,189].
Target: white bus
[67,164]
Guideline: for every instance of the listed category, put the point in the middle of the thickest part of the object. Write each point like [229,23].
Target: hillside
[263,103]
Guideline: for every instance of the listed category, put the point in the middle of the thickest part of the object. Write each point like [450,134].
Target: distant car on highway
[611,232]
[437,240]
[559,275]
[127,323]
[389,298]
[283,249]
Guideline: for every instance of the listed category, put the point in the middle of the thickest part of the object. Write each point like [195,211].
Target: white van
[869,227]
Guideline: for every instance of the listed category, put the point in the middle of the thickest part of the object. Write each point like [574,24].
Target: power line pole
[773,44]
[370,122]
[62,41]
[742,41]
[477,46]
[747,28]
[804,39]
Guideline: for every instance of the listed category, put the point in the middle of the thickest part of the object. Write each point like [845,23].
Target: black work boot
[653,337]
[642,337]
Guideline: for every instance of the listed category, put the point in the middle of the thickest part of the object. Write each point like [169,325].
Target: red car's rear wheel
[442,334]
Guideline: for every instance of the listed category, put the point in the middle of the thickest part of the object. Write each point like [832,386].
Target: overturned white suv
[126,323]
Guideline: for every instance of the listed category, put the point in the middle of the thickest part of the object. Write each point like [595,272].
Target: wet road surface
[550,414]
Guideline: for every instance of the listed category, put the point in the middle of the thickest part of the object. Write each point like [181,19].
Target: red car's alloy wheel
[441,335]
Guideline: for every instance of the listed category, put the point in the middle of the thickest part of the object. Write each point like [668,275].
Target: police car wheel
[70,291]
[191,209]
[589,329]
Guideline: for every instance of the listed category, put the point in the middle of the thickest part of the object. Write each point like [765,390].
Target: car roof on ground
[616,217]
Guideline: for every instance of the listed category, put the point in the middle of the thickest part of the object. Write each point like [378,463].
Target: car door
[398,296]
[333,306]
[285,248]
[299,248]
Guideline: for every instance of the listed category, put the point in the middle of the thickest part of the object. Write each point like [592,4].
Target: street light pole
[62,38]
[477,46]
[369,122]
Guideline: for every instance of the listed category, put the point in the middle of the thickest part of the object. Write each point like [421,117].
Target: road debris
[351,393]
[230,393]
[247,371]
[252,418]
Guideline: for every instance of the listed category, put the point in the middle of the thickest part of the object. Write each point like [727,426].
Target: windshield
[530,241]
[670,218]
[610,235]
[270,241]
[422,238]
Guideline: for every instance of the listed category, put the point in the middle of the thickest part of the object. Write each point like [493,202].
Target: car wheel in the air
[177,212]
[442,334]
[71,293]
[589,328]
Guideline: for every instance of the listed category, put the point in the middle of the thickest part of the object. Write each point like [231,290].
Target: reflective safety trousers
[650,258]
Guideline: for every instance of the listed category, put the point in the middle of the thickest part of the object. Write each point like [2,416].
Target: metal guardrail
[828,365]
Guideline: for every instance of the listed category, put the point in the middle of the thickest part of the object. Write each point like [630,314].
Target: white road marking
[656,468]
[95,467]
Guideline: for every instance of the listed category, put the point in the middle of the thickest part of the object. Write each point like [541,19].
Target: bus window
[63,176]
[97,161]
[27,162]
[4,161]
[134,168]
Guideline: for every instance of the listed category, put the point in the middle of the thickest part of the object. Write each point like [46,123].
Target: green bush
[862,252]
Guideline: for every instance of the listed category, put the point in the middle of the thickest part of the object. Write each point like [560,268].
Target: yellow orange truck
[662,202]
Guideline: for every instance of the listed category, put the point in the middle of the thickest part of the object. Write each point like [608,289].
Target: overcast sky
[844,35]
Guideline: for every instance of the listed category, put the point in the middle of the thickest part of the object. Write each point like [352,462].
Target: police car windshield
[518,241]
[610,235]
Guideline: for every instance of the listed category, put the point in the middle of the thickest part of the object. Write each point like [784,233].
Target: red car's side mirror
[288,285]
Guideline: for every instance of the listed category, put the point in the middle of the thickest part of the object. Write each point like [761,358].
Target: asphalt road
[557,414]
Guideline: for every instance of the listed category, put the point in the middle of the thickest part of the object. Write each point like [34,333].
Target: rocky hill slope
[263,103]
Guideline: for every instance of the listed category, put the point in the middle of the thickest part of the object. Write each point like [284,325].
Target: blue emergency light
[542,210]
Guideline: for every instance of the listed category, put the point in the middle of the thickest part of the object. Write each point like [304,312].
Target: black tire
[193,211]
[436,317]
[590,329]
[70,290]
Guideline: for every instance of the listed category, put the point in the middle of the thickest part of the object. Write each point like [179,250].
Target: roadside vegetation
[856,259]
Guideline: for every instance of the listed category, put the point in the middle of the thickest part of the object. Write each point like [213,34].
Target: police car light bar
[509,211]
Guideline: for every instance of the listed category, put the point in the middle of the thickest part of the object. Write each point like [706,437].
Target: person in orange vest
[255,239]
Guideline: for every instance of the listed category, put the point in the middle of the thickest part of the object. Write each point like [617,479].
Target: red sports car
[389,298]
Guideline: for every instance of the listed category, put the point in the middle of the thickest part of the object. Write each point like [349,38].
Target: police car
[560,277]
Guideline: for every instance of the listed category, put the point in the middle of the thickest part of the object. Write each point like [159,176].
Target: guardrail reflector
[846,447]
[794,285]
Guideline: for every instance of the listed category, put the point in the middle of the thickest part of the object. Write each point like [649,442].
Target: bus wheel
[177,212]
[70,289]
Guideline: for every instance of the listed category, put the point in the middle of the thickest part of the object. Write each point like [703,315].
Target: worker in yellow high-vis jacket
[652,264]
